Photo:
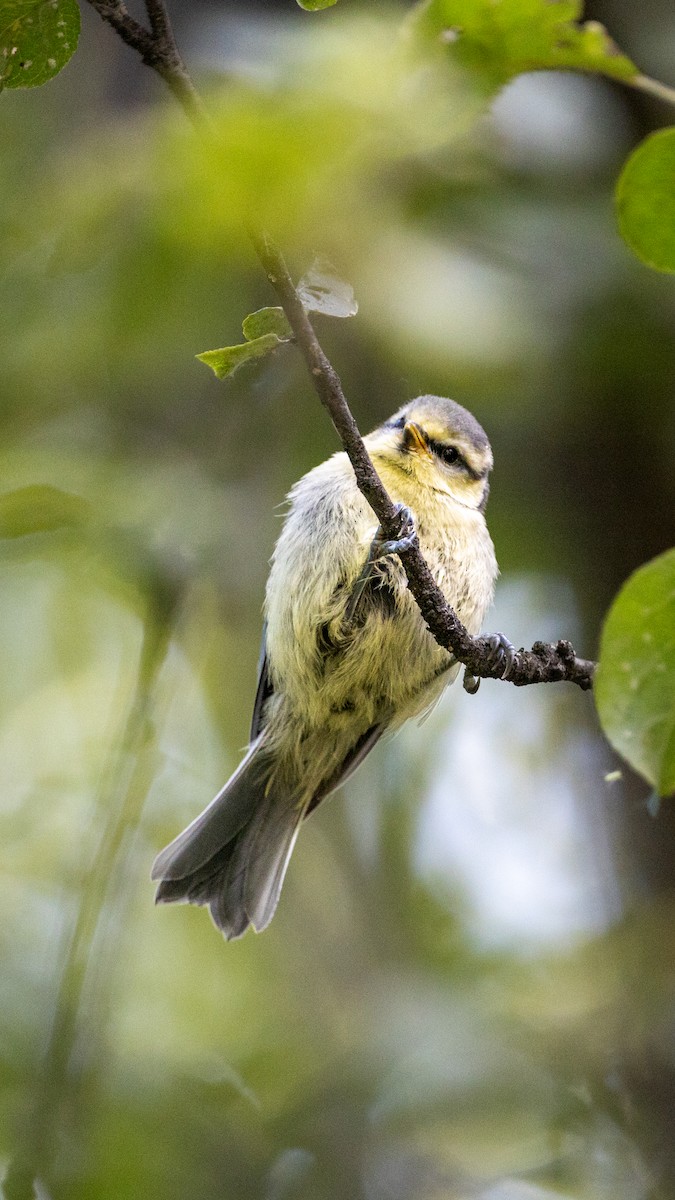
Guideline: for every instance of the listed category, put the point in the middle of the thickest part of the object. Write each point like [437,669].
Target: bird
[346,656]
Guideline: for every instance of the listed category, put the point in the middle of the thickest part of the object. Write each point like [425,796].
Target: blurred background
[468,988]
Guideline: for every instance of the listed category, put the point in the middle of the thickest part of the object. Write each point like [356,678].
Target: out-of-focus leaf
[301,155]
[39,509]
[266,320]
[315,5]
[272,162]
[37,37]
[645,200]
[225,361]
[497,39]
[321,290]
[635,685]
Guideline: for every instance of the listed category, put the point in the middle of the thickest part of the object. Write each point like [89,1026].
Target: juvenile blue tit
[346,655]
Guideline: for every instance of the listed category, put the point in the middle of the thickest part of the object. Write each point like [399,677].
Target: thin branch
[543,663]
[158,50]
[644,83]
[160,22]
[326,382]
[126,26]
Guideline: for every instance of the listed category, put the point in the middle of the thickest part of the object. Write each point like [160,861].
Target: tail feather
[195,888]
[273,836]
[220,821]
[248,890]
[234,856]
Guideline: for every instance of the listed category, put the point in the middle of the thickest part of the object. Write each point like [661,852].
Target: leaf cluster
[320,290]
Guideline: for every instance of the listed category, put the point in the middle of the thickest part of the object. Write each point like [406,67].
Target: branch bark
[158,49]
[544,663]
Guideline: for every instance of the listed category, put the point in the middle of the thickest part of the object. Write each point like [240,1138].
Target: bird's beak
[414,439]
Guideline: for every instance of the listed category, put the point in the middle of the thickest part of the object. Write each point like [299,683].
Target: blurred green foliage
[645,201]
[635,689]
[499,40]
[468,988]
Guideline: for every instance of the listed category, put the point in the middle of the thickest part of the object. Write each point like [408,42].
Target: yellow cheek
[469,491]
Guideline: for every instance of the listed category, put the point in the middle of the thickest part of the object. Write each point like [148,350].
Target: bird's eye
[449,454]
[397,424]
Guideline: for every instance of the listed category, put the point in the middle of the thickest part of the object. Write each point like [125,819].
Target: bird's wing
[264,689]
[348,766]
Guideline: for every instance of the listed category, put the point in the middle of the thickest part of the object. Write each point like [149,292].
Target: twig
[158,50]
[543,663]
[644,83]
[160,22]
[326,382]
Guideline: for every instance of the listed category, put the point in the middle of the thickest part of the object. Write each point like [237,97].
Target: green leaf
[266,320]
[39,509]
[497,39]
[37,37]
[264,330]
[315,5]
[635,684]
[645,201]
[321,290]
[225,361]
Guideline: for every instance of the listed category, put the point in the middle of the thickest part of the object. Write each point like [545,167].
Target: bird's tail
[233,856]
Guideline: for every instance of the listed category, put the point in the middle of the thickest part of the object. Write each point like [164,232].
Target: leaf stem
[644,83]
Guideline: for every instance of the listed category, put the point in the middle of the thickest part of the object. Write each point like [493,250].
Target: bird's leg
[502,653]
[380,548]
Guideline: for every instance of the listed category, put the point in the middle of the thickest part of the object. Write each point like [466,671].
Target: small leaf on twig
[635,682]
[225,361]
[37,37]
[266,320]
[321,290]
[264,330]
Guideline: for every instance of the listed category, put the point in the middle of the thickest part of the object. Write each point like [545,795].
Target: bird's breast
[332,670]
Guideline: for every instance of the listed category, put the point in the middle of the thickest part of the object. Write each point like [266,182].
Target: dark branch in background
[543,663]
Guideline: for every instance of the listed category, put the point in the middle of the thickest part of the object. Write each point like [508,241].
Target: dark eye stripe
[451,456]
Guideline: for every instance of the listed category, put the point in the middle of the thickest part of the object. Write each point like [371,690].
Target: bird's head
[439,445]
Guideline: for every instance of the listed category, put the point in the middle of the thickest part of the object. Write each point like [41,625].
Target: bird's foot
[501,653]
[381,546]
